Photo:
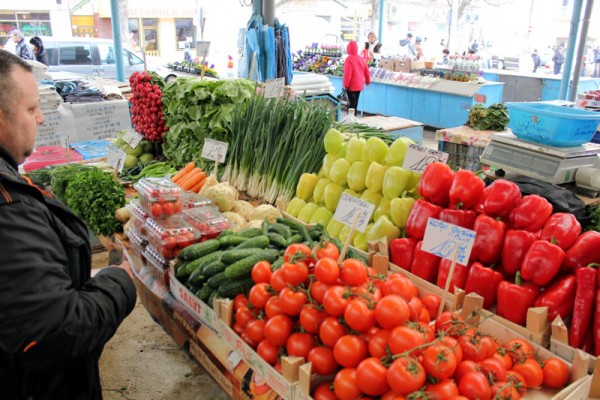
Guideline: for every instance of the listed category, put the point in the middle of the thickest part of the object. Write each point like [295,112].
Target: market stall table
[396,126]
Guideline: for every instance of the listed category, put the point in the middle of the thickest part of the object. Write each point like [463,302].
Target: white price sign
[132,138]
[350,208]
[274,88]
[448,241]
[214,150]
[116,158]
[418,158]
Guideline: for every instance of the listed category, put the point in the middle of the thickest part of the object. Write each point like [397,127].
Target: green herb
[61,176]
[594,224]
[494,117]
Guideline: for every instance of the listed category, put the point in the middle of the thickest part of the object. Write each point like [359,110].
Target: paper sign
[418,158]
[132,138]
[274,88]
[116,158]
[101,120]
[444,240]
[349,207]
[213,149]
[202,48]
[60,120]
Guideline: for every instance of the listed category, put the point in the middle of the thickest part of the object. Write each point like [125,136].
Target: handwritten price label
[132,138]
[214,150]
[349,208]
[418,158]
[274,88]
[116,158]
[445,240]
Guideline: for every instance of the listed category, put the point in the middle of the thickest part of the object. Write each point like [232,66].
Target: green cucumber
[198,250]
[224,233]
[232,240]
[213,268]
[249,232]
[204,293]
[211,298]
[281,229]
[277,264]
[181,272]
[276,239]
[202,261]
[296,226]
[196,278]
[233,255]
[264,227]
[296,238]
[230,289]
[243,267]
[217,280]
[261,241]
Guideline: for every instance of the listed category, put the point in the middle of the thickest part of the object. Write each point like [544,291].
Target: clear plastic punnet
[171,235]
[209,221]
[159,197]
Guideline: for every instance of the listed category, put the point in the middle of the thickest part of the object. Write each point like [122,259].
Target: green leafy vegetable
[494,117]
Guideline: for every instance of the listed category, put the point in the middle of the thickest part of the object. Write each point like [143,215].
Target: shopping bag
[343,97]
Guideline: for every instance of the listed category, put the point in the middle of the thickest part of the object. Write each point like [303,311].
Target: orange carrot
[189,176]
[198,186]
[191,182]
[183,171]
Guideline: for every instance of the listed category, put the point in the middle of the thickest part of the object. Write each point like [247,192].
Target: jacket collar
[5,155]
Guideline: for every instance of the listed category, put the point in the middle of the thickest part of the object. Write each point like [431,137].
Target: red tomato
[256,330]
[378,343]
[531,371]
[259,294]
[556,373]
[268,352]
[243,316]
[248,341]
[335,301]
[439,361]
[329,250]
[405,375]
[291,302]
[311,318]
[444,389]
[504,391]
[518,349]
[399,284]
[261,272]
[324,392]
[432,303]
[391,311]
[454,346]
[298,252]
[294,273]
[494,369]
[344,384]
[463,368]
[272,307]
[472,349]
[156,210]
[489,345]
[168,208]
[327,270]
[415,307]
[354,272]
[323,361]
[474,385]
[371,377]
[451,323]
[278,330]
[300,344]
[505,358]
[317,291]
[359,316]
[277,280]
[517,381]
[403,338]
[331,330]
[350,350]
[237,328]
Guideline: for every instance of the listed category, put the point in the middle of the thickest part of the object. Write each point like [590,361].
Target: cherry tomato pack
[159,197]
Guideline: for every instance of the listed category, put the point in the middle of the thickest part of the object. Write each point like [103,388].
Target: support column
[118,40]
[566,74]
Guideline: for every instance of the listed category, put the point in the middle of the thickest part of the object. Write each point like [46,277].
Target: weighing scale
[547,163]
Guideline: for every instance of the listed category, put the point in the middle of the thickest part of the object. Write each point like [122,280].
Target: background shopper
[356,74]
[22,49]
[38,50]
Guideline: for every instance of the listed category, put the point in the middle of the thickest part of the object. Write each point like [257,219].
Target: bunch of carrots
[190,177]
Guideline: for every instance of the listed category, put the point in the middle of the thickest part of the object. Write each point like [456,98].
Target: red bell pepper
[425,265]
[597,323]
[563,227]
[479,206]
[502,196]
[417,219]
[435,183]
[464,218]
[515,246]
[584,303]
[585,251]
[559,297]
[459,277]
[542,262]
[531,213]
[483,281]
[488,240]
[402,251]
[466,190]
[588,339]
[514,299]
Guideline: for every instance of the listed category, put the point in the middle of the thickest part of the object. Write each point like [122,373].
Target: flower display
[194,67]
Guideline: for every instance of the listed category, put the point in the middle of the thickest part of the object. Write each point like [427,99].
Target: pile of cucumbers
[222,267]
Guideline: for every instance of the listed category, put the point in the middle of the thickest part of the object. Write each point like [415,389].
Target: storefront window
[184,27]
[150,22]
[31,24]
[134,33]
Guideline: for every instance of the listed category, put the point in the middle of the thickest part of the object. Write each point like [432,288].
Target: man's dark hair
[8,88]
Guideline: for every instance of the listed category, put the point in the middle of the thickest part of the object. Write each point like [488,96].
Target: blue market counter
[442,105]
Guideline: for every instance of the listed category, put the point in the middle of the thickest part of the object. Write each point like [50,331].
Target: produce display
[140,154]
[495,117]
[147,105]
[194,67]
[361,167]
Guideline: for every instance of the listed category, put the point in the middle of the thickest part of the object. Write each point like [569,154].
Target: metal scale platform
[547,163]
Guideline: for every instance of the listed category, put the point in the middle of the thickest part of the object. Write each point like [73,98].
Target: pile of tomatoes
[370,336]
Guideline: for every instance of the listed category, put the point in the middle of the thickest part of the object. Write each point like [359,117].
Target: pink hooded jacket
[356,72]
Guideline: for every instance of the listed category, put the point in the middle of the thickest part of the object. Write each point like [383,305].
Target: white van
[89,56]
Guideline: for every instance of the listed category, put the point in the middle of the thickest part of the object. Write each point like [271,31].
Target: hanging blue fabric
[253,68]
[268,55]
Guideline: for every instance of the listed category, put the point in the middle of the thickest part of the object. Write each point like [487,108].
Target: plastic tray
[159,197]
[137,242]
[194,200]
[157,265]
[552,124]
[209,221]
[169,236]
[139,216]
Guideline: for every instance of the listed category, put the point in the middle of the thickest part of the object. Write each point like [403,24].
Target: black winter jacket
[54,318]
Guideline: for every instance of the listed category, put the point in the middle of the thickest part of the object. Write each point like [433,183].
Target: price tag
[349,207]
[132,138]
[418,158]
[213,149]
[445,240]
[202,48]
[116,158]
[274,88]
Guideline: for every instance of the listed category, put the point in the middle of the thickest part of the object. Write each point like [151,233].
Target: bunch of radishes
[147,108]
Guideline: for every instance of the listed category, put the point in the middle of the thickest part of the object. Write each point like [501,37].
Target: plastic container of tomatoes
[194,200]
[156,263]
[169,236]
[137,242]
[159,197]
[209,221]
[138,216]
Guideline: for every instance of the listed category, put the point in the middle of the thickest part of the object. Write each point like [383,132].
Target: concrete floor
[142,362]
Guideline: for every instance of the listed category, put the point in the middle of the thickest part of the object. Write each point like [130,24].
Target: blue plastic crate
[552,124]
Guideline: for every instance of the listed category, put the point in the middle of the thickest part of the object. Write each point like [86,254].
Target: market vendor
[54,318]
[373,46]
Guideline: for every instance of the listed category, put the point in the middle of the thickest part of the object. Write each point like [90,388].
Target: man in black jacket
[54,318]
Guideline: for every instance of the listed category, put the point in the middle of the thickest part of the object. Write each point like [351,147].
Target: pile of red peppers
[524,255]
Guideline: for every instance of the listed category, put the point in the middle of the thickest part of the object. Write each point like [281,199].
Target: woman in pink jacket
[356,74]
